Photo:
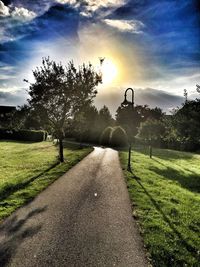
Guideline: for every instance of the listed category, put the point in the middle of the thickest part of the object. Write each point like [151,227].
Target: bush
[105,136]
[118,137]
[22,135]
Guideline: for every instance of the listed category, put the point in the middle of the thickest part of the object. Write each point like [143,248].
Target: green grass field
[27,168]
[164,192]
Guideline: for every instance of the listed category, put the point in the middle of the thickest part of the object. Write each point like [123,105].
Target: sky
[149,45]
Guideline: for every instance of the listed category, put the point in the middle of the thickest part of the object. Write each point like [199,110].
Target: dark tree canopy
[129,119]
[184,125]
[151,130]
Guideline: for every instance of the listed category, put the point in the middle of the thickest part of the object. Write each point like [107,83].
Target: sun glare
[109,71]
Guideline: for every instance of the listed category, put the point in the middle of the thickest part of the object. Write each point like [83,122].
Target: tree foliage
[131,118]
[60,91]
[105,118]
[151,131]
[184,125]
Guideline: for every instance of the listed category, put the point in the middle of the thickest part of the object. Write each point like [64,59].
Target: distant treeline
[141,124]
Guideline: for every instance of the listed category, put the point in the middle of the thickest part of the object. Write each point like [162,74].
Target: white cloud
[22,13]
[71,2]
[4,10]
[19,13]
[6,76]
[133,26]
[88,7]
[12,89]
[74,3]
[7,72]
[12,16]
[93,5]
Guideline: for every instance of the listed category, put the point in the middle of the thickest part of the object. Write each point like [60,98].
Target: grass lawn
[164,192]
[27,168]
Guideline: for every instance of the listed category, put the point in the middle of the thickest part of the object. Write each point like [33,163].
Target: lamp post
[127,103]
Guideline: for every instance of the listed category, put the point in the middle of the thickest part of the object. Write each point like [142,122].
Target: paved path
[82,219]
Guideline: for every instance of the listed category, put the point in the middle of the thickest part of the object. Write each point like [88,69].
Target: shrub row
[114,136]
[23,135]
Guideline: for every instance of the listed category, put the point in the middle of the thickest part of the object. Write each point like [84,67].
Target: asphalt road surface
[82,219]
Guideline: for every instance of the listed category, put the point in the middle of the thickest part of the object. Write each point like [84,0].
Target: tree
[59,91]
[129,119]
[151,131]
[185,125]
[89,123]
[85,123]
[105,118]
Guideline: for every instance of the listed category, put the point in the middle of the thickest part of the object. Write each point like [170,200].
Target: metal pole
[129,158]
[125,103]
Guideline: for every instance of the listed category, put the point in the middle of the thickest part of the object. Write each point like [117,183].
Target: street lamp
[127,103]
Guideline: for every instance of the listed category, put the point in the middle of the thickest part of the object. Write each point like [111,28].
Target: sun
[109,71]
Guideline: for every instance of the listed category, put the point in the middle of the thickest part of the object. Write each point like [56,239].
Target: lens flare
[109,71]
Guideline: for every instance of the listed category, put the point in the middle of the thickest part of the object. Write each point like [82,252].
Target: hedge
[118,137]
[23,135]
[105,136]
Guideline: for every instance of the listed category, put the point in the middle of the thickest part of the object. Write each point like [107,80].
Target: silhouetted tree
[59,91]
[184,125]
[151,131]
[105,118]
[91,123]
[129,119]
[85,123]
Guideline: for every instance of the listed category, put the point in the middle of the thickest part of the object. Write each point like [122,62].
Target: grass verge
[28,168]
[164,192]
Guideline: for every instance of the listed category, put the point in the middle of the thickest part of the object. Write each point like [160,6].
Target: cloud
[93,5]
[18,13]
[13,98]
[70,2]
[4,10]
[58,23]
[22,13]
[133,26]
[89,8]
[7,72]
[152,97]
[12,17]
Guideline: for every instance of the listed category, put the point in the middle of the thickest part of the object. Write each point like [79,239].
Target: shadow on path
[15,232]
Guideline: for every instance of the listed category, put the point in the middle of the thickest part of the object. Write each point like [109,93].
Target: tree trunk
[61,156]
[150,151]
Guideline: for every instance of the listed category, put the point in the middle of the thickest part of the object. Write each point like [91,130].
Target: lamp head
[125,102]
